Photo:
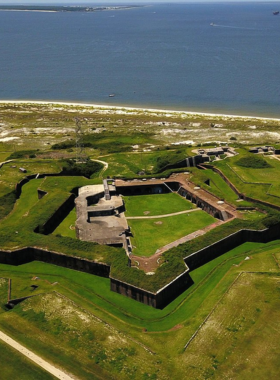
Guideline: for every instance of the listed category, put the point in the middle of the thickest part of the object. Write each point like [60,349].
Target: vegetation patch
[253,161]
[86,169]
[81,342]
[238,325]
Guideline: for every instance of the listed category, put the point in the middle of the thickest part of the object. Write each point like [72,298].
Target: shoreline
[137,109]
[27,10]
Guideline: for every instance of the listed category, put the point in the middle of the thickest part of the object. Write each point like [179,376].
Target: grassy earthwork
[76,333]
[259,183]
[74,321]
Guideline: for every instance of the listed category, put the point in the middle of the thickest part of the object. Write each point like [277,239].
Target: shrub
[255,162]
[23,154]
[86,169]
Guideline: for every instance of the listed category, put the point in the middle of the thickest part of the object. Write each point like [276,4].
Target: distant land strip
[49,8]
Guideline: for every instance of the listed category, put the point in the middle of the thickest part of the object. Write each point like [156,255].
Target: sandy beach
[131,110]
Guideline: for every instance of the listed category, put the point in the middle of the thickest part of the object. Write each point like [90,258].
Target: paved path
[163,216]
[35,358]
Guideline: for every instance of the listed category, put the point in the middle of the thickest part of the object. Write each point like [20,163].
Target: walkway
[4,162]
[105,166]
[162,216]
[35,358]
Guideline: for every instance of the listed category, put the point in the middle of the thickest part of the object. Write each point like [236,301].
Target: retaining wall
[161,298]
[58,216]
[203,256]
[203,204]
[28,254]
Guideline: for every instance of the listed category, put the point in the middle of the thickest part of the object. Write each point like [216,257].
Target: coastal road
[35,358]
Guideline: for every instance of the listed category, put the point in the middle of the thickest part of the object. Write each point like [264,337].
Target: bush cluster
[254,162]
[86,169]
[23,154]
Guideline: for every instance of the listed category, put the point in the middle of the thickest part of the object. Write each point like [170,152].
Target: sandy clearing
[120,109]
[35,358]
[5,139]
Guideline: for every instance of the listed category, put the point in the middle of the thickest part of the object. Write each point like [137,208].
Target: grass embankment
[173,264]
[69,335]
[129,164]
[13,364]
[17,230]
[245,324]
[216,185]
[94,293]
[258,183]
[11,175]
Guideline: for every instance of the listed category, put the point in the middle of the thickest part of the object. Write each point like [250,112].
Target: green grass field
[155,204]
[67,227]
[16,366]
[244,322]
[100,333]
[151,234]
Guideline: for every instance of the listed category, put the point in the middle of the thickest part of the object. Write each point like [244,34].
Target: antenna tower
[80,155]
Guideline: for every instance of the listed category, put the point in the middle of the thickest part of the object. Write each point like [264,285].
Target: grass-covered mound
[168,159]
[255,162]
[7,203]
[30,212]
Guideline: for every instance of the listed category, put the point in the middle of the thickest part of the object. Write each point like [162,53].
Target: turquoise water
[161,56]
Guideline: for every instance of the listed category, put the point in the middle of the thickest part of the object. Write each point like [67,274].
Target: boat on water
[276,13]
[111,95]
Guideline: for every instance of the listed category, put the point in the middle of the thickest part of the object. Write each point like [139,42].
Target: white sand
[120,109]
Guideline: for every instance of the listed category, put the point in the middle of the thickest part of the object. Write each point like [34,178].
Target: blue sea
[220,57]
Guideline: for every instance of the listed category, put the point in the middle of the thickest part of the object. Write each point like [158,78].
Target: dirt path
[4,162]
[35,358]
[105,166]
[163,216]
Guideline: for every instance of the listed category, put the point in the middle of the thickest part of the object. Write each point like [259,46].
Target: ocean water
[160,56]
